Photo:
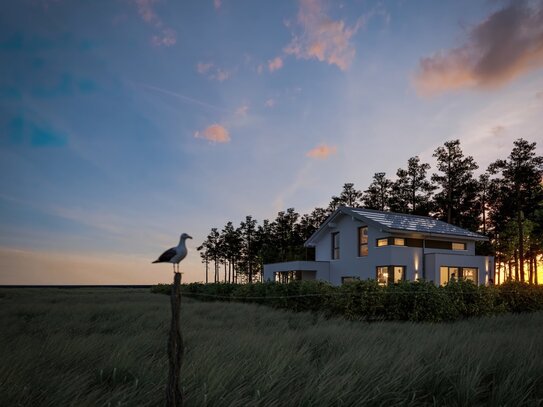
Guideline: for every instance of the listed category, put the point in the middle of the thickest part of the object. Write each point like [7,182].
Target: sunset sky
[124,123]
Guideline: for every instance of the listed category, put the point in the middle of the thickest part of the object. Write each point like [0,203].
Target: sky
[124,123]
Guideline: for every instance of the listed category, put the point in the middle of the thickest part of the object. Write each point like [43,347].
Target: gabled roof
[400,222]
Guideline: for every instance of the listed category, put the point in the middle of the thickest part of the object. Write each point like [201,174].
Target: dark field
[107,347]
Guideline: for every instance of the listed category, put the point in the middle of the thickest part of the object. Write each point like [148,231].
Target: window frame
[460,274]
[360,244]
[335,255]
[390,274]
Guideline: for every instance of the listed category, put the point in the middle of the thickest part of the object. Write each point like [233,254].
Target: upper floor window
[445,245]
[335,246]
[458,246]
[391,241]
[362,241]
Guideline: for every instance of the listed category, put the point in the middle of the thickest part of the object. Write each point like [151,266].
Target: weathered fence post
[174,397]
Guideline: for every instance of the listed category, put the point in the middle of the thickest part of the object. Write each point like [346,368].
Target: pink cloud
[214,133]
[217,4]
[503,46]
[203,68]
[322,151]
[168,35]
[275,64]
[322,38]
[270,103]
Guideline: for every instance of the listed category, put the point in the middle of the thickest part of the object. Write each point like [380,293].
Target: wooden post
[174,397]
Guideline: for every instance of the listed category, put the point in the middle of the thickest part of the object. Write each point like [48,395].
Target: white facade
[408,261]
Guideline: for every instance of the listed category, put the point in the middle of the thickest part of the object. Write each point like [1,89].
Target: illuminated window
[382,275]
[363,241]
[390,274]
[469,273]
[398,241]
[447,274]
[458,246]
[335,246]
[395,241]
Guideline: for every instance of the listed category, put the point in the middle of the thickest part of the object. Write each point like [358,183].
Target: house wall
[351,265]
[485,264]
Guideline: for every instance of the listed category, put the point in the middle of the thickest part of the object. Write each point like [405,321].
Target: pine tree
[522,175]
[455,201]
[411,192]
[377,196]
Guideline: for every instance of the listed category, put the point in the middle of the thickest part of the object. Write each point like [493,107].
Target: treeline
[419,301]
[504,203]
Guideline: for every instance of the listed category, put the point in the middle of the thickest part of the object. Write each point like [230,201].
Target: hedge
[366,300]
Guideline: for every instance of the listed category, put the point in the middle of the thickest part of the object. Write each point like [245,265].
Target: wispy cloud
[203,67]
[217,4]
[270,103]
[275,64]
[242,111]
[321,37]
[213,72]
[167,36]
[184,98]
[322,151]
[505,45]
[214,133]
[220,75]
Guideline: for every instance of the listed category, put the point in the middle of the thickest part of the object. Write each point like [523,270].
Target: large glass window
[390,274]
[382,275]
[363,241]
[469,273]
[335,246]
[447,274]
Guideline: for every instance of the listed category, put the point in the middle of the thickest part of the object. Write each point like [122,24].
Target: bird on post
[175,254]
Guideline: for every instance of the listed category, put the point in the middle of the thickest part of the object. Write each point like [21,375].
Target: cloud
[505,45]
[260,69]
[322,151]
[242,111]
[168,35]
[217,4]
[218,74]
[270,103]
[203,68]
[214,133]
[498,131]
[275,64]
[322,38]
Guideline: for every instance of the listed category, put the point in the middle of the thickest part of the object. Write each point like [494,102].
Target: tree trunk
[174,397]
[207,271]
[536,280]
[520,240]
[516,266]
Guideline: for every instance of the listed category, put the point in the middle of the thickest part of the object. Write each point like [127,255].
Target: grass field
[107,347]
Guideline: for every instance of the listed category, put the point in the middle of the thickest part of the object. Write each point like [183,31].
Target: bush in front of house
[418,301]
[517,297]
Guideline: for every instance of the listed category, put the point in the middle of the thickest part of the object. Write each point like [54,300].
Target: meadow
[107,347]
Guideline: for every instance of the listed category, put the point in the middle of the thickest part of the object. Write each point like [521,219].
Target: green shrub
[520,297]
[366,300]
[418,301]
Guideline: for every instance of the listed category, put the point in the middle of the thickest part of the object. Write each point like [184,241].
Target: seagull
[175,254]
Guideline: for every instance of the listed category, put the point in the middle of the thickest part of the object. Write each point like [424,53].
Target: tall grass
[107,347]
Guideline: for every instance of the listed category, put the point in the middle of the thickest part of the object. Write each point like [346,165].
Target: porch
[297,271]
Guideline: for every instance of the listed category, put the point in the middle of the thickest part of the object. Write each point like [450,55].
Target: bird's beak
[189,237]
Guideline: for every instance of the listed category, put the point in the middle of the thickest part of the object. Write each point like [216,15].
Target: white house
[358,243]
